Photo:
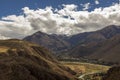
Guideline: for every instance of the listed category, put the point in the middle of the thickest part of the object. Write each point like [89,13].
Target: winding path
[83,75]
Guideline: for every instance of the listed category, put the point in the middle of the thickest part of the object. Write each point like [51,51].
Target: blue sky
[8,7]
[20,18]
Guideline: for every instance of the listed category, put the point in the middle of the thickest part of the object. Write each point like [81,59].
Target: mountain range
[95,36]
[101,44]
[23,60]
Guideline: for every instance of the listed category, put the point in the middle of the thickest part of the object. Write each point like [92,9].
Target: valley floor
[87,71]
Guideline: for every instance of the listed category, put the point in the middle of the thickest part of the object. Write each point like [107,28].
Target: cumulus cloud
[3,37]
[85,6]
[67,20]
[97,2]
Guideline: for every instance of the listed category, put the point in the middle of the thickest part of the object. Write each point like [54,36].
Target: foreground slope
[20,60]
[113,74]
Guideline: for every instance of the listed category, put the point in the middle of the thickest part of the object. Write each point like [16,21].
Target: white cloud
[85,6]
[67,20]
[3,37]
[97,2]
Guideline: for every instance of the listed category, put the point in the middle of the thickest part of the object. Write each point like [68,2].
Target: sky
[20,18]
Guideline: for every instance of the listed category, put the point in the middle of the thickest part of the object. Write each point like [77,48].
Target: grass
[85,67]
[3,49]
[21,60]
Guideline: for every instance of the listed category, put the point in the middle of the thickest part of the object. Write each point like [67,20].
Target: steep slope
[20,60]
[113,74]
[106,51]
[96,36]
[86,42]
[59,43]
[53,42]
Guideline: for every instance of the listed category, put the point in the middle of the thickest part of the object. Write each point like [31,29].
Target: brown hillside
[113,74]
[53,42]
[105,51]
[108,50]
[20,60]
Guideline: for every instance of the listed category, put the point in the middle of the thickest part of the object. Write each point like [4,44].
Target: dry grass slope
[21,60]
[86,67]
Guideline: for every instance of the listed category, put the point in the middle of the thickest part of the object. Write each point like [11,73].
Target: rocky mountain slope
[21,60]
[108,50]
[96,36]
[53,42]
[113,74]
[102,44]
[58,43]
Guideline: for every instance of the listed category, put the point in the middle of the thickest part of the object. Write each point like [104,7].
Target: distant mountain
[21,60]
[84,43]
[96,36]
[58,43]
[108,50]
[53,42]
[88,44]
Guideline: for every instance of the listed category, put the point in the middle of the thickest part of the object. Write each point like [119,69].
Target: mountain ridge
[53,42]
[84,44]
[59,43]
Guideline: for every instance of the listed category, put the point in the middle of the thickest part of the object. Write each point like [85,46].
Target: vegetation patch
[3,49]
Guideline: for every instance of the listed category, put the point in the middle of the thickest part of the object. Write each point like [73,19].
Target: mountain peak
[40,33]
[112,27]
[53,42]
[110,31]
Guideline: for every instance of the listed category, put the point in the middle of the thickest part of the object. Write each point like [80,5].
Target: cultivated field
[86,67]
